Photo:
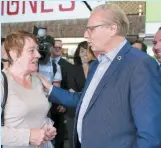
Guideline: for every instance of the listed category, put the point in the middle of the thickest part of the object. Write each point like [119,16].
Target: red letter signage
[11,4]
[45,10]
[2,7]
[61,8]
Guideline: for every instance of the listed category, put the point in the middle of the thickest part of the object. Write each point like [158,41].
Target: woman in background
[83,57]
[26,109]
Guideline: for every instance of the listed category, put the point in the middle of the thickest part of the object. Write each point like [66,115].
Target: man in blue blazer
[120,106]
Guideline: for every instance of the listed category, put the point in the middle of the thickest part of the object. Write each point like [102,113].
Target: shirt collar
[158,62]
[112,54]
[56,59]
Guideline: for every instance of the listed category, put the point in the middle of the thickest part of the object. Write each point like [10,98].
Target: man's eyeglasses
[90,29]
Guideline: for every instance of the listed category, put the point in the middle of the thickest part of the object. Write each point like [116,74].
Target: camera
[45,42]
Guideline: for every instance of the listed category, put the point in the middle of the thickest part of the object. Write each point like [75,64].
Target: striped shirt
[47,71]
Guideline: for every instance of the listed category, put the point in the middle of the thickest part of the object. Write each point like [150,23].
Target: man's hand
[47,85]
[71,90]
[61,109]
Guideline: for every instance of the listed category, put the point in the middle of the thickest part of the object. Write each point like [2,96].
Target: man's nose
[86,35]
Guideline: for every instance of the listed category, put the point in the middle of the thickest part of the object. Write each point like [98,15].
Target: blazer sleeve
[65,97]
[145,100]
[15,137]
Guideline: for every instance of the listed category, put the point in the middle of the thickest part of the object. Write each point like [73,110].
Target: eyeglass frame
[90,29]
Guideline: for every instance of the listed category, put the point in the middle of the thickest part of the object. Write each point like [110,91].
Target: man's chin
[158,57]
[159,60]
[57,55]
[96,53]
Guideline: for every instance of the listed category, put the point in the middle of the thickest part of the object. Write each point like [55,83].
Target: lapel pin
[119,58]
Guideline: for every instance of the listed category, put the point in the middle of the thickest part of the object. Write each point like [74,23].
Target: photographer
[45,43]
[47,67]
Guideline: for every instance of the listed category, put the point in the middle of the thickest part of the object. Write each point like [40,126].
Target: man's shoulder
[137,54]
[135,57]
[64,62]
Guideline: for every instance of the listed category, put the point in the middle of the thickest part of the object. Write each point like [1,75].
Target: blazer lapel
[60,62]
[89,78]
[109,72]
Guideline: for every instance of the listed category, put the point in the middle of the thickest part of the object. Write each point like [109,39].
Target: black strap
[4,97]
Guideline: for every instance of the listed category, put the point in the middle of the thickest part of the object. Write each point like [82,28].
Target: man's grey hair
[114,15]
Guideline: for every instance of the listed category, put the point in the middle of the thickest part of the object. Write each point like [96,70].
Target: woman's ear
[13,55]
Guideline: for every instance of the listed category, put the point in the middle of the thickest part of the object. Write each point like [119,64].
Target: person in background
[157,46]
[26,109]
[140,45]
[120,105]
[49,69]
[83,57]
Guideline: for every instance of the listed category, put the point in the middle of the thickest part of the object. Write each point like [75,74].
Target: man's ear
[113,30]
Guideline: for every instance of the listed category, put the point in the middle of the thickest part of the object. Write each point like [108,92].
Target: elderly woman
[26,108]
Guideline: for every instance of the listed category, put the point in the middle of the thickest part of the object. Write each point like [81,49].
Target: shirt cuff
[50,90]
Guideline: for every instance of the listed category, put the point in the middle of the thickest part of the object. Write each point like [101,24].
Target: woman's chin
[34,70]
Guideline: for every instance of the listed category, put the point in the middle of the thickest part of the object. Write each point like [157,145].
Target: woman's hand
[50,133]
[47,85]
[37,136]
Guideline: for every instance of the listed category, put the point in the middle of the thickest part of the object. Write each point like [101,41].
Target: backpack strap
[4,97]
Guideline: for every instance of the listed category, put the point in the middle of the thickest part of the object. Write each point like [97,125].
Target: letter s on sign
[67,9]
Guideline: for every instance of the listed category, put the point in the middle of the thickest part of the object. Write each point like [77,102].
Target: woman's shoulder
[36,82]
[35,76]
[36,79]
